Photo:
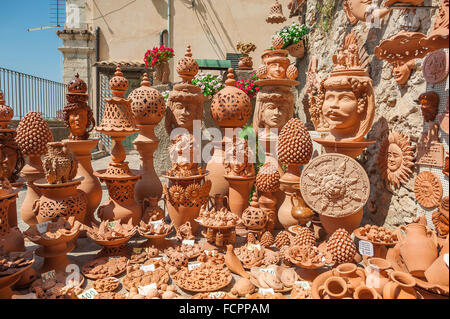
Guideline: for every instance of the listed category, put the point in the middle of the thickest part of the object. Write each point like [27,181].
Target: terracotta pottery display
[396,158]
[33,134]
[346,101]
[428,189]
[438,37]
[379,237]
[401,286]
[148,108]
[245,61]
[418,249]
[358,10]
[377,273]
[55,243]
[12,268]
[429,105]
[440,218]
[276,13]
[267,183]
[337,188]
[435,66]
[438,273]
[162,72]
[353,275]
[156,233]
[118,122]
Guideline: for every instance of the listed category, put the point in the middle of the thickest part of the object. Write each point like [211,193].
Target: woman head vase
[79,119]
[274,107]
[12,154]
[237,159]
[185,104]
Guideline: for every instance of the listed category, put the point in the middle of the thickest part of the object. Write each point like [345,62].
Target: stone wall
[396,106]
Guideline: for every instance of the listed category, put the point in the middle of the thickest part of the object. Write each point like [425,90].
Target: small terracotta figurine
[60,166]
[184,232]
[429,104]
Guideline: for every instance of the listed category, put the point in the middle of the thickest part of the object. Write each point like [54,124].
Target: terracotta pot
[438,273]
[217,171]
[162,72]
[353,275]
[364,292]
[146,144]
[60,200]
[297,50]
[90,184]
[245,63]
[300,211]
[418,249]
[401,286]
[239,192]
[267,202]
[11,238]
[377,276]
[335,288]
[349,222]
[182,214]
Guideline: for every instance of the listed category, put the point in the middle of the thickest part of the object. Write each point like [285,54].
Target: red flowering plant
[248,85]
[158,55]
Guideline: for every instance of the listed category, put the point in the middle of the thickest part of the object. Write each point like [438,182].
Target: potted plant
[158,58]
[248,85]
[293,39]
[210,84]
[245,61]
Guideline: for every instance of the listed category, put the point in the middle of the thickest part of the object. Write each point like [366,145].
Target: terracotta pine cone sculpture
[305,237]
[33,134]
[294,143]
[283,239]
[267,239]
[268,178]
[341,247]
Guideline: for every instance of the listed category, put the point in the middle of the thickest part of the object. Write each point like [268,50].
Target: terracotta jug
[353,275]
[438,273]
[377,273]
[364,292]
[300,211]
[401,286]
[418,249]
[334,288]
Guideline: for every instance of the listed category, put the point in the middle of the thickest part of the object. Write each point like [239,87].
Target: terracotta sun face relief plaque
[428,189]
[335,185]
[396,158]
[435,66]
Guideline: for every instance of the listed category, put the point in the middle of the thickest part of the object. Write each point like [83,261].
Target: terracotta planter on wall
[297,50]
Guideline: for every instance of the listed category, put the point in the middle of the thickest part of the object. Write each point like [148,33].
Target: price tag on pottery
[365,248]
[193,265]
[148,268]
[265,291]
[188,242]
[42,228]
[303,284]
[143,290]
[88,294]
[48,275]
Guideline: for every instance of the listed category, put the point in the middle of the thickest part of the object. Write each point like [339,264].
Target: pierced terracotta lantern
[401,50]
[438,38]
[428,189]
[359,10]
[185,103]
[346,101]
[78,116]
[429,104]
[276,13]
[435,66]
[396,158]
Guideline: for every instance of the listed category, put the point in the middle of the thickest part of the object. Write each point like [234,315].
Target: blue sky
[34,52]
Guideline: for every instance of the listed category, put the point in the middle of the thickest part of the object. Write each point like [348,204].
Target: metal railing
[24,93]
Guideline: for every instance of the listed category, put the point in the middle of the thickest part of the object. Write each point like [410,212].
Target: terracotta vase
[268,202]
[300,211]
[239,192]
[377,275]
[351,273]
[401,286]
[288,183]
[438,272]
[364,292]
[245,63]
[334,288]
[32,172]
[418,249]
[182,214]
[217,170]
[162,72]
[297,50]
[11,239]
[60,200]
[90,184]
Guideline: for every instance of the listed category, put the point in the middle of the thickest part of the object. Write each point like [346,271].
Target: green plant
[326,10]
[293,34]
[210,84]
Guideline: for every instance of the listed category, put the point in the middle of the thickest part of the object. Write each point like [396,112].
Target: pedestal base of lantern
[54,259]
[219,237]
[351,149]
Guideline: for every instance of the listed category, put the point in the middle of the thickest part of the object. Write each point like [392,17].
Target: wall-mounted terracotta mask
[429,104]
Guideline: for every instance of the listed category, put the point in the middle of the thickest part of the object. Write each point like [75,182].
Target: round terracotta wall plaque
[428,189]
[435,66]
[335,185]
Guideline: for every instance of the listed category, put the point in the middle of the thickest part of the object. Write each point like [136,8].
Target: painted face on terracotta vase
[394,157]
[78,120]
[276,70]
[340,108]
[184,114]
[275,114]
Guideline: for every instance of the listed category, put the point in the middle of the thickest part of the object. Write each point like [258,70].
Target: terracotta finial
[254,202]
[188,51]
[145,81]
[230,78]
[77,85]
[118,71]
[6,113]
[118,83]
[187,67]
[2,101]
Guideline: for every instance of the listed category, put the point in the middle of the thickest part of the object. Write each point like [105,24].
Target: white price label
[48,275]
[193,265]
[156,223]
[253,247]
[210,252]
[112,224]
[446,259]
[266,291]
[143,290]
[31,295]
[42,228]
[88,294]
[303,284]
[188,242]
[216,294]
[365,248]
[113,257]
[270,271]
[146,268]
